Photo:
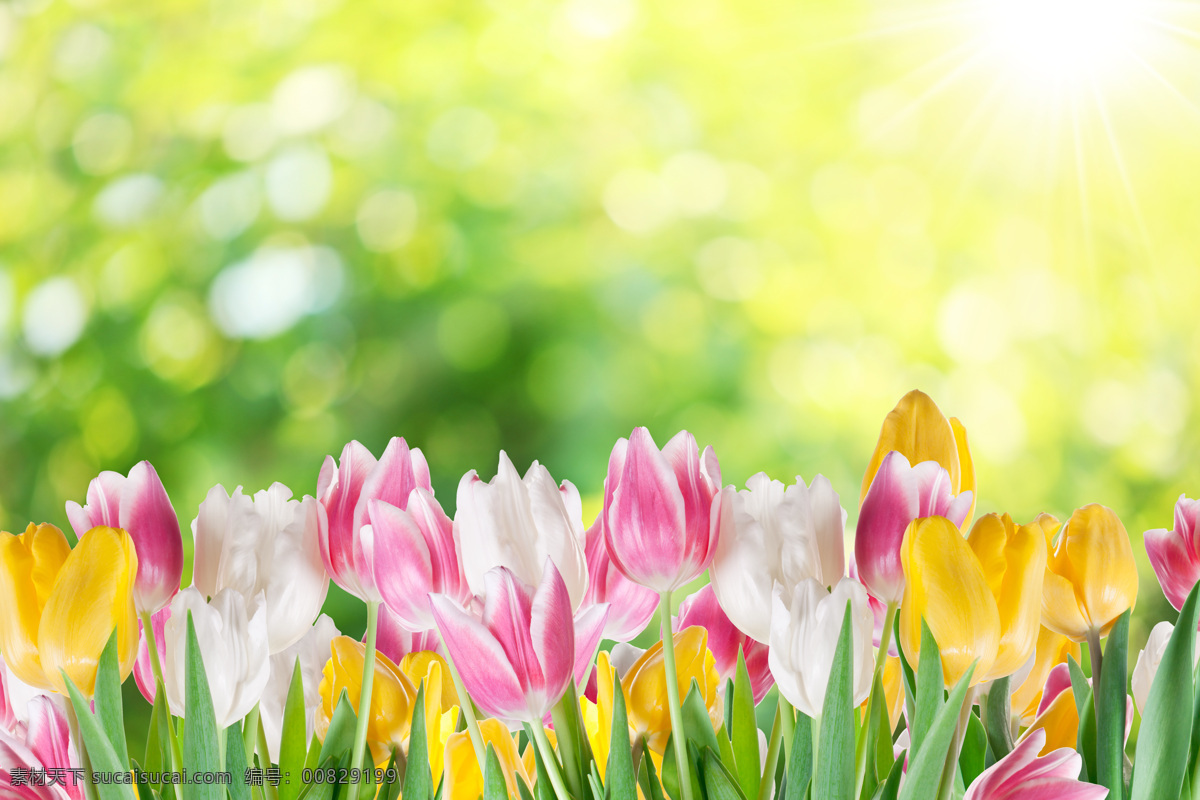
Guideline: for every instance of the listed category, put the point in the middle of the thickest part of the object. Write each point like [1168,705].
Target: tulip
[390,712]
[771,534]
[899,494]
[659,519]
[463,779]
[395,642]
[726,641]
[143,666]
[419,666]
[232,633]
[1175,554]
[517,661]
[1091,578]
[1149,659]
[58,609]
[947,588]
[311,651]
[519,523]
[44,746]
[412,553]
[645,686]
[632,606]
[1023,775]
[597,713]
[917,429]
[441,702]
[1052,649]
[1014,562]
[139,505]
[806,624]
[268,543]
[345,489]
[1057,713]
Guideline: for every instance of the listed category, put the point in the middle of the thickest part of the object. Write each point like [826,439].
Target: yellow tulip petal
[645,685]
[946,586]
[22,597]
[966,467]
[1061,612]
[92,596]
[1060,720]
[392,694]
[463,780]
[597,716]
[1013,559]
[1093,570]
[417,665]
[917,428]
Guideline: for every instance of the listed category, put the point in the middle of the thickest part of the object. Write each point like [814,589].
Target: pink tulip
[899,494]
[661,509]
[411,553]
[138,504]
[631,606]
[43,745]
[1175,553]
[1023,775]
[395,641]
[517,661]
[345,490]
[725,641]
[143,669]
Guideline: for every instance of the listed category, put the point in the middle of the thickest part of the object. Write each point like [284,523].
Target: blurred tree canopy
[235,235]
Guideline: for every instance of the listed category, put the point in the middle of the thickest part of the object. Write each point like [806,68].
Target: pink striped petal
[143,668]
[959,507]
[1057,682]
[146,514]
[934,491]
[338,490]
[889,506]
[395,641]
[725,641]
[48,736]
[683,454]
[507,614]
[552,632]
[438,530]
[1174,564]
[398,554]
[1022,775]
[104,500]
[391,480]
[631,606]
[486,672]
[589,629]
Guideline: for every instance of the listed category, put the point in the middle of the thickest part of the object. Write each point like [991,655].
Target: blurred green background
[234,235]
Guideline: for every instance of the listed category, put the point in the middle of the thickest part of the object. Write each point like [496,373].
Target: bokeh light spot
[54,316]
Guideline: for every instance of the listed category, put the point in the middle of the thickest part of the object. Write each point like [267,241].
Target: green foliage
[744,731]
[418,781]
[292,746]
[621,783]
[1110,700]
[200,746]
[834,772]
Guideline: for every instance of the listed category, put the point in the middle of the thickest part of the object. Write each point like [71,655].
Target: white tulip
[232,633]
[265,544]
[805,625]
[771,534]
[518,523]
[1148,660]
[313,651]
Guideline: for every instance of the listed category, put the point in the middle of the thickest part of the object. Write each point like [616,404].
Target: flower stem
[789,724]
[767,786]
[816,737]
[960,733]
[364,699]
[160,685]
[467,710]
[672,681]
[549,759]
[860,754]
[85,761]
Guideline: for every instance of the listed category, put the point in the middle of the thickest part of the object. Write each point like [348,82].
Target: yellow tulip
[463,780]
[893,689]
[918,429]
[946,586]
[392,695]
[1091,578]
[1052,649]
[420,664]
[441,702]
[58,606]
[597,716]
[1013,558]
[645,685]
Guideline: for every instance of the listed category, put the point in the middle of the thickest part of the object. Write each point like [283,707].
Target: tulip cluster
[941,657]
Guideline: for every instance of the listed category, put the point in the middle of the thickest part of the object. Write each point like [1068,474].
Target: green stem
[364,699]
[960,733]
[467,709]
[860,753]
[816,737]
[160,685]
[789,724]
[672,681]
[767,786]
[249,731]
[549,759]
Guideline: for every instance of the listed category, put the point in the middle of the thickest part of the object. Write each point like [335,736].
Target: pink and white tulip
[518,523]
[726,641]
[139,505]
[266,543]
[143,667]
[345,489]
[631,606]
[395,641]
[1023,775]
[661,509]
[899,494]
[43,744]
[1175,553]
[518,659]
[774,534]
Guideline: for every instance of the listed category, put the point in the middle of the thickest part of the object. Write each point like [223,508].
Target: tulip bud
[1175,554]
[725,641]
[1091,577]
[1022,775]
[139,505]
[645,686]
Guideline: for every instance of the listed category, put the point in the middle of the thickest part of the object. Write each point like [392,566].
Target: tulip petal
[966,465]
[487,674]
[104,501]
[683,454]
[338,488]
[1176,567]
[916,428]
[399,556]
[48,736]
[589,629]
[1094,561]
[889,505]
[29,568]
[147,515]
[393,478]
[552,631]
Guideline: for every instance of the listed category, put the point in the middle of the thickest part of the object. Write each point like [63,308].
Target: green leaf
[494,787]
[884,756]
[925,769]
[572,745]
[1110,710]
[1166,733]
[99,748]
[108,700]
[670,770]
[930,684]
[800,761]
[973,758]
[542,785]
[622,784]
[999,717]
[144,790]
[891,787]
[697,725]
[835,753]
[154,753]
[648,779]
[340,736]
[235,763]
[418,781]
[907,674]
[744,731]
[293,743]
[1085,742]
[200,746]
[718,783]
